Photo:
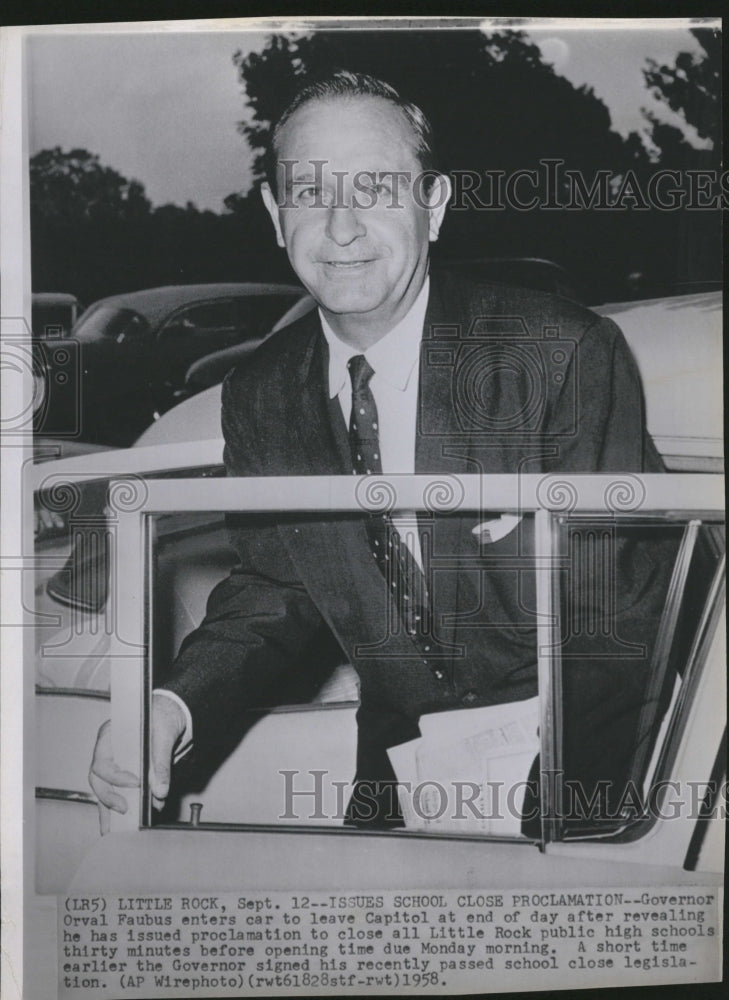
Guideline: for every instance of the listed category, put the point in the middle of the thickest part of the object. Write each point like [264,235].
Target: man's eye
[379,190]
[310,195]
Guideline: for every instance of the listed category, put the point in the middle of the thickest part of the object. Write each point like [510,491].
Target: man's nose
[344,224]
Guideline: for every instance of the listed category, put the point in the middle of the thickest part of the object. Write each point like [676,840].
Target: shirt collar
[392,358]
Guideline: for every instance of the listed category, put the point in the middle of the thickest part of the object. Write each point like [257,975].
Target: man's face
[356,234]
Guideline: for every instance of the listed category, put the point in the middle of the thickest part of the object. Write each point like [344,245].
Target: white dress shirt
[395,362]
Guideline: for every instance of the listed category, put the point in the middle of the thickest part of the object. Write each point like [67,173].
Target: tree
[692,86]
[691,240]
[492,100]
[94,233]
[75,186]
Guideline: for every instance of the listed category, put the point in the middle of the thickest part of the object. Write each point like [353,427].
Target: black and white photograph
[363,535]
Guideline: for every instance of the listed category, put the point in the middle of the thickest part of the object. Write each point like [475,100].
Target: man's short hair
[344,83]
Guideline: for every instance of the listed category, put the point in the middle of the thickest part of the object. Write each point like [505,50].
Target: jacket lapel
[438,431]
[331,553]
[319,439]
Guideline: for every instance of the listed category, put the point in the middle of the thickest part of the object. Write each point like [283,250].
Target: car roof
[156,303]
[54,299]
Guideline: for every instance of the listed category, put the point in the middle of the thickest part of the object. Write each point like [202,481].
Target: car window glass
[110,322]
[632,599]
[635,599]
[239,777]
[201,319]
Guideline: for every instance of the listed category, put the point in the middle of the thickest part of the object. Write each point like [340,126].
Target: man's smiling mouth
[347,264]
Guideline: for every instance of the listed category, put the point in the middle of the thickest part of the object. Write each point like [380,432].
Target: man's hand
[168,725]
[46,522]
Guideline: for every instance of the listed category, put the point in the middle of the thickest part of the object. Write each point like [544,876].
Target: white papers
[495,529]
[467,771]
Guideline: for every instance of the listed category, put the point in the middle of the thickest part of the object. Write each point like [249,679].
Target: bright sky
[163,108]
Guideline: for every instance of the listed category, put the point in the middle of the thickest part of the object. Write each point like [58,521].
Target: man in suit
[398,371]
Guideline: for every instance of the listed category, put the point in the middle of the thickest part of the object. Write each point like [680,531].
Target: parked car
[53,314]
[127,356]
[167,539]
[212,369]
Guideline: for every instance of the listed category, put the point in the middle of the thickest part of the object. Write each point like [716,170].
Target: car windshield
[108,322]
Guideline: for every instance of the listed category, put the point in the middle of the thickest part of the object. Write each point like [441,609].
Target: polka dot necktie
[394,559]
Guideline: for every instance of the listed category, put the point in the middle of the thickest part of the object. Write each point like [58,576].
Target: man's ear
[437,200]
[269,200]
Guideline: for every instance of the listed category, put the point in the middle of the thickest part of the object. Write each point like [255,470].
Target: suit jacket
[510,380]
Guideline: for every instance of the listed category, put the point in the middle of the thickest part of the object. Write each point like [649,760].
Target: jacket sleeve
[260,623]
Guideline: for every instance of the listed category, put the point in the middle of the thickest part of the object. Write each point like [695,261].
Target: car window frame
[657,765]
[131,680]
[174,316]
[234,301]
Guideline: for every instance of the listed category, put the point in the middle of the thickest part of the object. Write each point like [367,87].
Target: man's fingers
[167,727]
[105,776]
[104,819]
[108,771]
[163,742]
[159,786]
[160,767]
[168,724]
[47,520]
[103,764]
[106,795]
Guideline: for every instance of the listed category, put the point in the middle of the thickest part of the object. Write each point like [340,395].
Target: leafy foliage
[692,86]
[75,186]
[95,233]
[493,102]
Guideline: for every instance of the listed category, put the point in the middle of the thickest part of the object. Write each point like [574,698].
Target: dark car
[212,369]
[54,314]
[127,356]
